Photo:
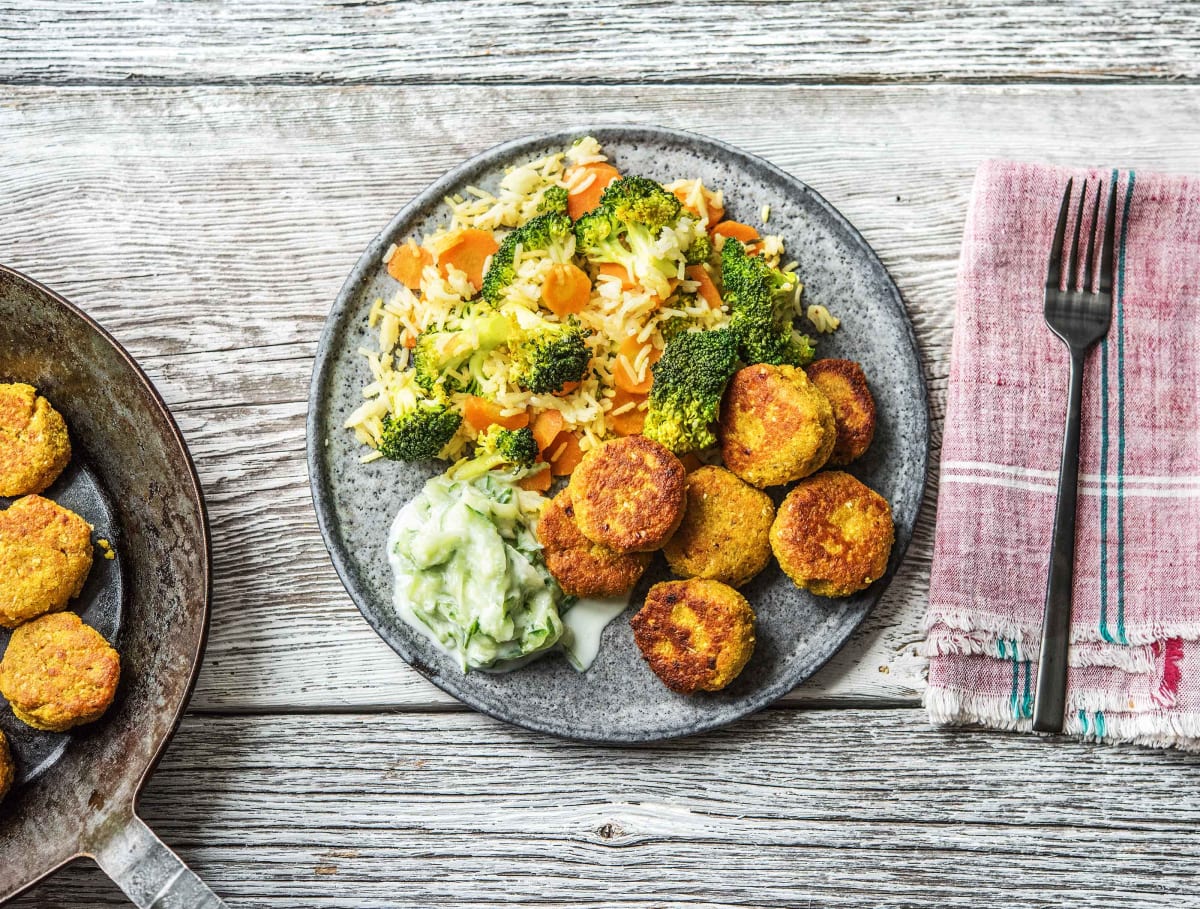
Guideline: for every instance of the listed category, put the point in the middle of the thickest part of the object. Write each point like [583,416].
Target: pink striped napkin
[1135,657]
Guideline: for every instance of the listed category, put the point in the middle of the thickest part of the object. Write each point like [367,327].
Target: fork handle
[1050,700]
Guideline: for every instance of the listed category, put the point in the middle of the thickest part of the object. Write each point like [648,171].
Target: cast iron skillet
[132,478]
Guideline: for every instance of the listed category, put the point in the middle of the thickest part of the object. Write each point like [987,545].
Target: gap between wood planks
[1046,80]
[453,706]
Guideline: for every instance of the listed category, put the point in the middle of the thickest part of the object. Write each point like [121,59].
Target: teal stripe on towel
[1104,632]
[1016,682]
[1027,699]
[1120,306]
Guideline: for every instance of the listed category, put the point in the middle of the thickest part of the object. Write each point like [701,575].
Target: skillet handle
[149,873]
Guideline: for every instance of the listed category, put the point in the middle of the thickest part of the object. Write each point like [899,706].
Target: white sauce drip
[587,620]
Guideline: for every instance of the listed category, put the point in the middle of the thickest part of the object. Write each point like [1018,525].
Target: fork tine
[1110,233]
[1054,271]
[1073,265]
[1089,261]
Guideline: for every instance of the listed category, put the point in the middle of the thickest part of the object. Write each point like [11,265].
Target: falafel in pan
[776,425]
[629,494]
[725,532]
[696,635]
[833,534]
[45,557]
[581,567]
[844,383]
[58,673]
[34,445]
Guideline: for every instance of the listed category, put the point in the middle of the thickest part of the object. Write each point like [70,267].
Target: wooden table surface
[200,177]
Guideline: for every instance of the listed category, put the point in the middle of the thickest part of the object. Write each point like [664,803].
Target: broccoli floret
[554,199]
[801,349]
[439,356]
[689,380]
[429,357]
[596,232]
[550,356]
[419,433]
[498,447]
[700,251]
[549,231]
[602,238]
[761,311]
[641,201]
[626,226]
[678,324]
[517,446]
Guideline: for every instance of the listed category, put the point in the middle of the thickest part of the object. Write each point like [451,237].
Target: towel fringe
[946,707]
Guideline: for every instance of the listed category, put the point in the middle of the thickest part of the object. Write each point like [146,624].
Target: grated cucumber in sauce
[469,575]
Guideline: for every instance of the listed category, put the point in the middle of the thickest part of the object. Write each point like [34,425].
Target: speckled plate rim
[361,274]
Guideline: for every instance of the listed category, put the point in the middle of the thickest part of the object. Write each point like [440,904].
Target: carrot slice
[715,212]
[468,251]
[566,290]
[565,453]
[628,422]
[682,196]
[736,230]
[707,290]
[613,270]
[582,201]
[537,482]
[690,462]
[547,425]
[567,388]
[625,377]
[407,263]
[480,413]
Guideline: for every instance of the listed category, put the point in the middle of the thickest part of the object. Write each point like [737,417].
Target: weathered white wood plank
[602,43]
[789,809]
[210,229]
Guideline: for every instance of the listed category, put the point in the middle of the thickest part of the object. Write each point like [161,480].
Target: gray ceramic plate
[619,699]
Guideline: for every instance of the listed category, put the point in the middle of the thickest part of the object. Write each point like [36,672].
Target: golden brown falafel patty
[696,635]
[833,535]
[629,494]
[45,557]
[776,425]
[58,673]
[8,770]
[844,383]
[581,567]
[725,532]
[34,446]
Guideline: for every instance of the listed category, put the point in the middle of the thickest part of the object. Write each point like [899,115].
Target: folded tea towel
[1135,656]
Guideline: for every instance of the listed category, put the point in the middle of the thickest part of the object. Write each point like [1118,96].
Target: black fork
[1079,311]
